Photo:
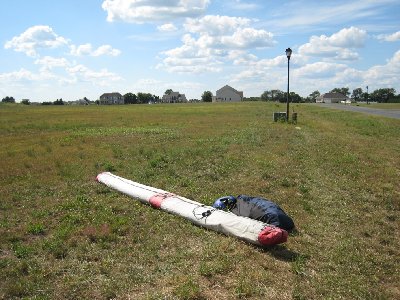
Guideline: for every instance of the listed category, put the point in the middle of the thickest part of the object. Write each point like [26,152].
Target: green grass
[65,236]
[379,105]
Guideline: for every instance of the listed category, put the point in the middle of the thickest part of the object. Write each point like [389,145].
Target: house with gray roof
[111,98]
[331,98]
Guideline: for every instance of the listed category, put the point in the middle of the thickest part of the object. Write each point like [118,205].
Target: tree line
[383,95]
[129,98]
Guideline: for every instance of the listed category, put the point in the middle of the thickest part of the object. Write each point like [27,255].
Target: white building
[331,98]
[228,94]
[174,97]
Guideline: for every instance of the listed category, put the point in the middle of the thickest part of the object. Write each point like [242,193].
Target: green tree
[383,95]
[313,96]
[278,95]
[206,97]
[144,98]
[59,102]
[357,94]
[8,99]
[273,95]
[295,98]
[26,102]
[265,96]
[168,92]
[344,91]
[130,98]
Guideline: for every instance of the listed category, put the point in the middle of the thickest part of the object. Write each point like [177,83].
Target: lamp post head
[288,53]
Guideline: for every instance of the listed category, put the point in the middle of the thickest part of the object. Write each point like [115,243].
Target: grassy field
[65,236]
[379,105]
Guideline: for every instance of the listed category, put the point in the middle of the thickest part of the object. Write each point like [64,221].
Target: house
[228,94]
[174,97]
[83,101]
[111,98]
[331,98]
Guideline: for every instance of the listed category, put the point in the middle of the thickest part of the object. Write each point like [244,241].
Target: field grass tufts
[65,236]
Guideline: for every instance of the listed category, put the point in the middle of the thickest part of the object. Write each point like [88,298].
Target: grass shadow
[282,253]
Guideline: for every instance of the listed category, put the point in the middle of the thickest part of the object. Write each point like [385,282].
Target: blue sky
[83,48]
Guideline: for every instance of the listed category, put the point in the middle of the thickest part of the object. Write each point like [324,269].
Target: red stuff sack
[272,235]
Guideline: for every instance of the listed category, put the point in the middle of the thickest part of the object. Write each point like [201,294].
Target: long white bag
[247,229]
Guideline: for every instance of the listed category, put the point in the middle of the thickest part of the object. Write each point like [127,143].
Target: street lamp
[288,54]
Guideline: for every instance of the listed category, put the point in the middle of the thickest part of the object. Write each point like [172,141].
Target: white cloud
[213,40]
[34,38]
[319,70]
[106,50]
[240,5]
[241,57]
[215,25]
[352,37]
[338,46]
[302,15]
[168,27]
[142,11]
[280,60]
[83,73]
[385,75]
[81,50]
[68,73]
[394,37]
[41,37]
[20,75]
[87,49]
[190,65]
[49,62]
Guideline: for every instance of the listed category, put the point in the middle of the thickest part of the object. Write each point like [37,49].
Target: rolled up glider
[247,229]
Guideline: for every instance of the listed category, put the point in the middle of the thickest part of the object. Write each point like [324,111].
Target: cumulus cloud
[20,75]
[215,25]
[42,36]
[143,11]
[168,27]
[387,74]
[319,70]
[83,73]
[211,40]
[87,49]
[49,62]
[390,37]
[67,73]
[34,38]
[339,45]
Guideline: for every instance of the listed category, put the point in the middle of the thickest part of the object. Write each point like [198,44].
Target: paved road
[390,113]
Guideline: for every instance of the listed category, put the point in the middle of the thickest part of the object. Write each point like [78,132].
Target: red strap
[157,199]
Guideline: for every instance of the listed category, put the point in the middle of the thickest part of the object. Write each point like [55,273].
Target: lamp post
[288,54]
[367,94]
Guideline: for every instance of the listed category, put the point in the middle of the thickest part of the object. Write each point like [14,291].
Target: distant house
[228,94]
[174,97]
[331,98]
[111,98]
[83,101]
